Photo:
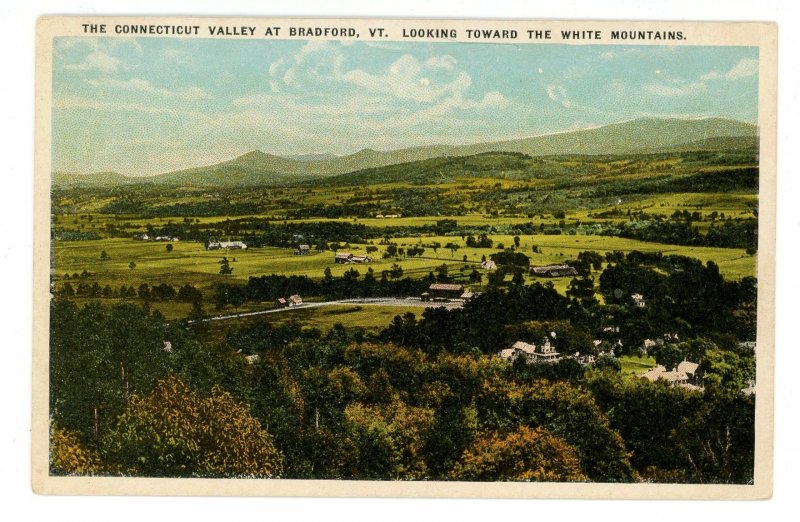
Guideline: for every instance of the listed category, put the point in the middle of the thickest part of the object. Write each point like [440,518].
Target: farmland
[660,252]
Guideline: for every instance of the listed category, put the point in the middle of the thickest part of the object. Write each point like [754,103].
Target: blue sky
[151,105]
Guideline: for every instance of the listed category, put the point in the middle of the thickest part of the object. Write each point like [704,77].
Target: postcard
[404,258]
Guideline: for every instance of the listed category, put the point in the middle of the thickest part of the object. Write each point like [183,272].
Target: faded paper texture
[423,258]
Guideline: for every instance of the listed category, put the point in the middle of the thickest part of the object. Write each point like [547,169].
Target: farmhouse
[141,237]
[281,303]
[553,271]
[443,292]
[295,300]
[342,258]
[489,265]
[226,245]
[302,250]
[360,259]
[638,300]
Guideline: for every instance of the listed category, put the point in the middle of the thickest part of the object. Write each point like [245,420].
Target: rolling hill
[645,135]
[96,179]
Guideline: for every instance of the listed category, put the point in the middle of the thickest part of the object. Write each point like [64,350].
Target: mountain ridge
[642,135]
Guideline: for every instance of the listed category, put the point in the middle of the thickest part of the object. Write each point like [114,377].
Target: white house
[545,352]
[226,245]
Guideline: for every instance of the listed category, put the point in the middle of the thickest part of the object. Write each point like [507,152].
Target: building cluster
[226,245]
[287,302]
[553,271]
[148,237]
[683,375]
[346,258]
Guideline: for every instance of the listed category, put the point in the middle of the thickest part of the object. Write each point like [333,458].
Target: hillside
[254,168]
[97,179]
[623,172]
[647,135]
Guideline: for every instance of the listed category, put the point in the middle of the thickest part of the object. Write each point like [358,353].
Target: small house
[302,250]
[638,300]
[295,300]
[281,303]
[489,265]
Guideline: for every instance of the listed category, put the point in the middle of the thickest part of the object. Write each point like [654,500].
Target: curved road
[369,301]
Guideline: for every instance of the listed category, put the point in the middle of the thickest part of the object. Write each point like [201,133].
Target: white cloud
[675,89]
[746,67]
[144,86]
[96,60]
[713,75]
[429,81]
[408,78]
[441,62]
[317,61]
[558,94]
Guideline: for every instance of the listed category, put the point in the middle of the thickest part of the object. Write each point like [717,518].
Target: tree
[669,355]
[718,441]
[92,376]
[225,267]
[390,439]
[68,455]
[607,362]
[516,241]
[67,290]
[442,273]
[396,271]
[169,247]
[132,265]
[173,432]
[582,288]
[104,256]
[567,412]
[525,454]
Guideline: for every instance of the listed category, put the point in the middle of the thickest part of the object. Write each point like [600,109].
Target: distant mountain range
[646,135]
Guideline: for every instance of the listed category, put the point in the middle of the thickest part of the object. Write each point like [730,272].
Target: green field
[634,365]
[191,263]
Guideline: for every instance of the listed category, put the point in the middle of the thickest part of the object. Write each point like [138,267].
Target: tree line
[140,397]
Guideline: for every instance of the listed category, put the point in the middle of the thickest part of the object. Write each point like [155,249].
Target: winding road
[367,301]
